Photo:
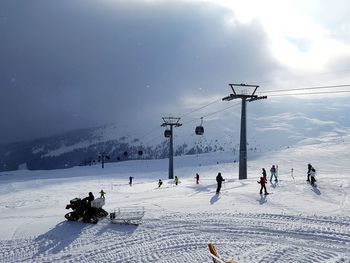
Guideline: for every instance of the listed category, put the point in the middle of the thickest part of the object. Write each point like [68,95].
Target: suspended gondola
[200,129]
[167,133]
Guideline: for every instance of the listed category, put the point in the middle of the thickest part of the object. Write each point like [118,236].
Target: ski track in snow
[184,238]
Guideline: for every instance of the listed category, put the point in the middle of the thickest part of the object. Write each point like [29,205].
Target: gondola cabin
[167,133]
[199,130]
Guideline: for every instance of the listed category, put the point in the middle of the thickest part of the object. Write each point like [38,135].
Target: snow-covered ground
[296,223]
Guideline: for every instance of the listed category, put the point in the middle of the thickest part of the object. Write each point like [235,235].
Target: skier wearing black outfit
[219,180]
[312,175]
[309,167]
[130,180]
[197,178]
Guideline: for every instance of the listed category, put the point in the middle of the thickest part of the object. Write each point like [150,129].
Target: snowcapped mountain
[66,150]
[271,126]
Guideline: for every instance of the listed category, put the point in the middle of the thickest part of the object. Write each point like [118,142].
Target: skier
[176,180]
[219,180]
[102,194]
[313,175]
[309,167]
[160,183]
[197,178]
[263,181]
[130,180]
[273,172]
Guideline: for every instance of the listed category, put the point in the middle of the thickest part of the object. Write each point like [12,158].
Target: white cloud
[297,38]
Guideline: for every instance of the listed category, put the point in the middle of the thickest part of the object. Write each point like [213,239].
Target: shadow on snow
[61,236]
[214,199]
[262,199]
[316,190]
[66,232]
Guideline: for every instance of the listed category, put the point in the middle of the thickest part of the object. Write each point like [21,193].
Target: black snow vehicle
[90,212]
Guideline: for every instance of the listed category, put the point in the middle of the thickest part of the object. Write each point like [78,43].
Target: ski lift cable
[151,140]
[306,76]
[308,88]
[188,113]
[213,113]
[269,91]
[193,120]
[149,133]
[274,95]
[310,93]
[202,107]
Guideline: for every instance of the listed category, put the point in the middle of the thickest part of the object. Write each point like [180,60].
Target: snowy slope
[296,223]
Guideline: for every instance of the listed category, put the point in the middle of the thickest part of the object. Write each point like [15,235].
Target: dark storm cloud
[74,64]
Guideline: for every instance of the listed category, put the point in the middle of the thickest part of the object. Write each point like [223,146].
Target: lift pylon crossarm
[232,85]
[239,96]
[230,97]
[257,98]
[171,121]
[243,85]
[174,124]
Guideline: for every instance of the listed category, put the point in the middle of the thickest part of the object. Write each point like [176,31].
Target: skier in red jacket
[263,182]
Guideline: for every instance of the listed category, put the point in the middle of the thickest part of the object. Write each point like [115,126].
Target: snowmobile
[82,209]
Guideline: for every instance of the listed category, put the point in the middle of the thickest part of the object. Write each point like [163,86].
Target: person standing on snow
[273,172]
[263,181]
[160,182]
[313,175]
[197,178]
[309,167]
[102,194]
[219,180]
[130,180]
[176,180]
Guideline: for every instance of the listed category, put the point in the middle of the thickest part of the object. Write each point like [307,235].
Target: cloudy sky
[69,64]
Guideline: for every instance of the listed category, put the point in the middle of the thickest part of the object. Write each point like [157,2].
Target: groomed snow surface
[296,223]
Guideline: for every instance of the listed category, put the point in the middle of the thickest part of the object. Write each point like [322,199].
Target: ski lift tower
[244,93]
[170,121]
[102,156]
